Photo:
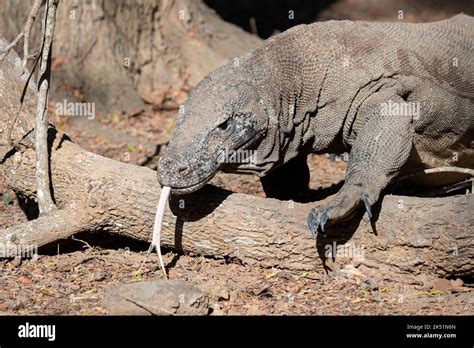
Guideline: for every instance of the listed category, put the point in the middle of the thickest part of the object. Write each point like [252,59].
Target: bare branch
[30,235]
[11,45]
[45,200]
[24,33]
[27,31]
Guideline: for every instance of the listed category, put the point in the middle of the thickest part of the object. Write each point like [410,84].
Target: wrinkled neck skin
[293,96]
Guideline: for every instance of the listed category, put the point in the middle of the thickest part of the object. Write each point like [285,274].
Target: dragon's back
[431,61]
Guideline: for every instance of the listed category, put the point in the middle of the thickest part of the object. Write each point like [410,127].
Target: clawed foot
[316,221]
[337,211]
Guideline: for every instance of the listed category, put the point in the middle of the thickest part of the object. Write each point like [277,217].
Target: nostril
[182,170]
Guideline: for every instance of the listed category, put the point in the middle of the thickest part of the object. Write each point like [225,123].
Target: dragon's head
[216,129]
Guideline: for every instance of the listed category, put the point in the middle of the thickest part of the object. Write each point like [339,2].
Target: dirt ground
[71,276]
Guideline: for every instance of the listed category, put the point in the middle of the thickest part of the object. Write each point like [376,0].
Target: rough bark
[414,235]
[121,53]
[43,184]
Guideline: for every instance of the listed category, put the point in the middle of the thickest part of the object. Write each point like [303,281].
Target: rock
[260,289]
[369,284]
[351,273]
[99,276]
[21,300]
[216,310]
[315,276]
[11,304]
[64,265]
[457,283]
[286,275]
[426,283]
[24,280]
[16,261]
[442,284]
[216,289]
[460,289]
[156,297]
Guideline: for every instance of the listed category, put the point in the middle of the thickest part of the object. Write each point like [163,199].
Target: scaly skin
[324,88]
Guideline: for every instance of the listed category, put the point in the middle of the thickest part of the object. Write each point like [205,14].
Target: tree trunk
[414,235]
[118,54]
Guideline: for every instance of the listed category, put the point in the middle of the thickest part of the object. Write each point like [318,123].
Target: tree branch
[27,31]
[24,33]
[27,237]
[45,200]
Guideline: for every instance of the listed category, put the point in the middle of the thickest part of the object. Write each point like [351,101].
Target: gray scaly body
[398,97]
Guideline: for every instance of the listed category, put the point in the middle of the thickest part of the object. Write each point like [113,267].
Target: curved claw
[313,222]
[316,222]
[324,219]
[367,206]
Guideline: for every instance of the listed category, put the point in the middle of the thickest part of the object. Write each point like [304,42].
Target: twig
[24,33]
[27,32]
[11,45]
[45,200]
[82,241]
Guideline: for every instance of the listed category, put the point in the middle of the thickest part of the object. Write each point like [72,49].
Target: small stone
[25,281]
[92,202]
[216,310]
[442,284]
[215,289]
[369,284]
[315,276]
[21,300]
[350,272]
[16,261]
[222,293]
[99,276]
[286,275]
[457,283]
[460,289]
[261,290]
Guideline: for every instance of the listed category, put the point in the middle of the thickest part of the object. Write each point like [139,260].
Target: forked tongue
[160,212]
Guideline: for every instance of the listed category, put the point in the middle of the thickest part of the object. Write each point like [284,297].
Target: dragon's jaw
[196,177]
[192,188]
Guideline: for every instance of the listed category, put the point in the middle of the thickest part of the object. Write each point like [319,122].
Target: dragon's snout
[172,173]
[174,168]
[180,176]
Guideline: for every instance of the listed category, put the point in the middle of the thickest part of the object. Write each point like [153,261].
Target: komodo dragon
[399,97]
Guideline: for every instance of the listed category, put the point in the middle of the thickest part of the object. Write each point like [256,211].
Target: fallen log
[97,194]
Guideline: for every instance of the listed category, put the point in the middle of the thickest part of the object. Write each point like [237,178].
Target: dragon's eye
[225,125]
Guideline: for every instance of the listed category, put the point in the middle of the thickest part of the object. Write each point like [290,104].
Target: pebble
[16,261]
[99,276]
[442,284]
[216,310]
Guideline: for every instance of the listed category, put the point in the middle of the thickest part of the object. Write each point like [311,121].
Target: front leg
[380,150]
